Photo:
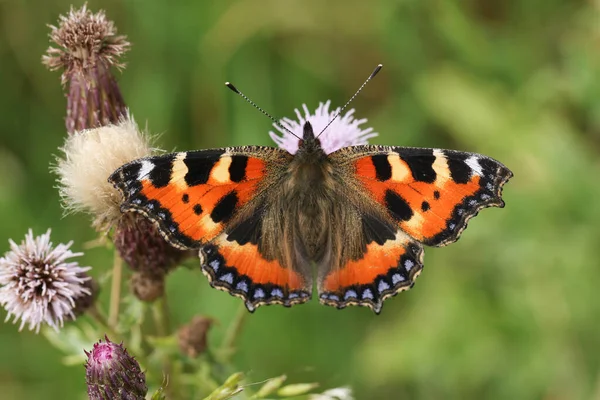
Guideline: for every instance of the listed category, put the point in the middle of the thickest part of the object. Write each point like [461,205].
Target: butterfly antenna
[375,72]
[276,121]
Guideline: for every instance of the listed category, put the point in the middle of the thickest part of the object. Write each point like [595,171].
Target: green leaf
[270,386]
[297,389]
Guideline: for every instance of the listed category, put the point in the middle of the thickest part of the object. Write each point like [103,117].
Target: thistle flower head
[88,47]
[111,373]
[38,283]
[85,40]
[90,156]
[344,131]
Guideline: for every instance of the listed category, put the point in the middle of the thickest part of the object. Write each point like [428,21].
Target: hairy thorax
[309,198]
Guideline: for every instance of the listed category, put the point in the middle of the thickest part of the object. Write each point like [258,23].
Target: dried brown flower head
[88,47]
[147,287]
[85,40]
[193,336]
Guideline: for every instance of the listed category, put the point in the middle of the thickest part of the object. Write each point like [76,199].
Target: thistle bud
[147,287]
[192,337]
[111,373]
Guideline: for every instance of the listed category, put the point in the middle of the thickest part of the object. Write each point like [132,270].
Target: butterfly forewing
[430,193]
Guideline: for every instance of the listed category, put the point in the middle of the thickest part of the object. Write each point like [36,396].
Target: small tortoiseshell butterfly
[262,217]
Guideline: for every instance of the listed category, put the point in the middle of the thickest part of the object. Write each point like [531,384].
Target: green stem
[115,291]
[100,319]
[233,332]
[160,314]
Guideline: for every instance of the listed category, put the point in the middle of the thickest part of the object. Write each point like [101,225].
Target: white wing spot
[409,264]
[473,162]
[259,293]
[367,294]
[145,169]
[397,278]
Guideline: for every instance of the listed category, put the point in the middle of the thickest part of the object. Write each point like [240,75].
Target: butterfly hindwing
[430,193]
[244,272]
[384,269]
[215,201]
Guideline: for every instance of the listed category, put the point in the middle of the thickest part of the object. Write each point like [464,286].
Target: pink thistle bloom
[38,284]
[344,131]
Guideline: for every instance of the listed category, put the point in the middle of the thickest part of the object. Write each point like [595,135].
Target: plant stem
[115,291]
[100,319]
[160,313]
[233,332]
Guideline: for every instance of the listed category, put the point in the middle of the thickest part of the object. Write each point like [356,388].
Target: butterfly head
[309,144]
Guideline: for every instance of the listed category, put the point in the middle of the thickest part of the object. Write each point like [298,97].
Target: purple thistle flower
[111,373]
[344,131]
[38,284]
[88,47]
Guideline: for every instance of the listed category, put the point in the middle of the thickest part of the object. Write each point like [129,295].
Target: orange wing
[244,272]
[430,193]
[213,200]
[383,271]
[192,195]
[422,196]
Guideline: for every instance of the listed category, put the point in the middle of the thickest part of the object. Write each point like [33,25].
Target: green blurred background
[510,311]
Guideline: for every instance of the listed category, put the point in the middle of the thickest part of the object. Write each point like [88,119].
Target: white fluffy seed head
[89,158]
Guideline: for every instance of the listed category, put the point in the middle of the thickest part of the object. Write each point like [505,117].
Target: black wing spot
[199,164]
[436,194]
[383,169]
[185,198]
[197,209]
[237,168]
[459,170]
[376,230]
[224,208]
[397,206]
[425,206]
[160,175]
[420,162]
[249,230]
